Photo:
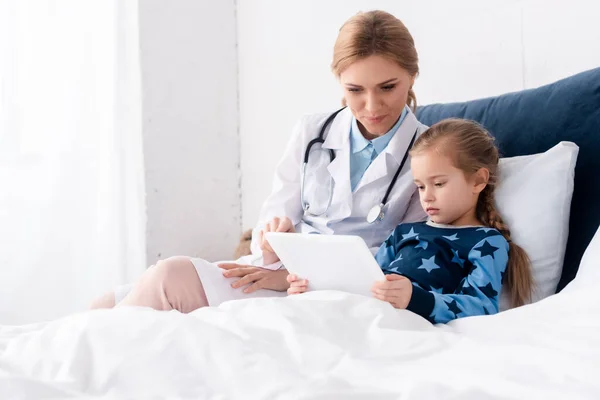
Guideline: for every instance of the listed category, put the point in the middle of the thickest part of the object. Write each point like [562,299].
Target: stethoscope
[376,213]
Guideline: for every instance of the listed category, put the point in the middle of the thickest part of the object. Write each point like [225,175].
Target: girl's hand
[276,225]
[297,285]
[395,289]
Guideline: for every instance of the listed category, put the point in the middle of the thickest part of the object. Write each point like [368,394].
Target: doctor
[342,173]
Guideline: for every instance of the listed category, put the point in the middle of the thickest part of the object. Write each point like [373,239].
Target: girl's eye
[439,184]
[387,88]
[354,90]
[420,187]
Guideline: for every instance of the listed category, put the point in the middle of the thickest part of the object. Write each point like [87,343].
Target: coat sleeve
[284,200]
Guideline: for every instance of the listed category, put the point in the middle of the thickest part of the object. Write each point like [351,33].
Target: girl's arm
[477,294]
[387,251]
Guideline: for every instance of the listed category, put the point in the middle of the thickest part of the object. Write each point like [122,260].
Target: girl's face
[376,91]
[447,195]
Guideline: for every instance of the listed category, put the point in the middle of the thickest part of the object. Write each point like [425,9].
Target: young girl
[454,264]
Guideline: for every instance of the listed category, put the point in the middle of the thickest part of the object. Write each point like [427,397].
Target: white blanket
[320,345]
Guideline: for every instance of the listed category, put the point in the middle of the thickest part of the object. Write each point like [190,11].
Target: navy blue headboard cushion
[534,120]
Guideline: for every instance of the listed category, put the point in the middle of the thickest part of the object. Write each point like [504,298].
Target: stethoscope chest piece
[375,214]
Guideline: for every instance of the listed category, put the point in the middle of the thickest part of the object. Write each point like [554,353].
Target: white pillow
[534,199]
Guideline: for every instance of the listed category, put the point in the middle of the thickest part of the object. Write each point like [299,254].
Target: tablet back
[329,262]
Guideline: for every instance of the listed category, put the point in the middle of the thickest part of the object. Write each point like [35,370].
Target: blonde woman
[343,172]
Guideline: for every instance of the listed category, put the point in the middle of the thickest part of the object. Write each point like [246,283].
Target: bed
[334,345]
[327,345]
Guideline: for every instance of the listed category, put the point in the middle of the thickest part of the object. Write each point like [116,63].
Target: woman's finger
[233,265]
[264,243]
[274,224]
[239,272]
[268,247]
[261,240]
[248,279]
[285,225]
[290,226]
[254,287]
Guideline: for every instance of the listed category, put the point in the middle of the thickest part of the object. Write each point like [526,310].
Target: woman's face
[376,90]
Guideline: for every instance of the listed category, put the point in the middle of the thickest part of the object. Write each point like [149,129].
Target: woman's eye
[439,184]
[354,90]
[388,87]
[420,187]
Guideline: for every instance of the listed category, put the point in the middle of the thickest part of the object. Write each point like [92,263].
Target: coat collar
[390,159]
[340,131]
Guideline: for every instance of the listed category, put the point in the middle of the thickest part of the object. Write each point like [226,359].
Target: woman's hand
[297,285]
[276,225]
[395,289]
[255,277]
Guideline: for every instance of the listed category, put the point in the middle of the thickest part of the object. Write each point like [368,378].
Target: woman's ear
[481,179]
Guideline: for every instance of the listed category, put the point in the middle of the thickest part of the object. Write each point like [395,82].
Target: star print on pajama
[455,271]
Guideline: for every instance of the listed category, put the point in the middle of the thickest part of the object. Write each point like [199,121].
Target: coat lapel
[386,163]
[337,139]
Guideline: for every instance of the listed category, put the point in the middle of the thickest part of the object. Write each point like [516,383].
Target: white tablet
[329,262]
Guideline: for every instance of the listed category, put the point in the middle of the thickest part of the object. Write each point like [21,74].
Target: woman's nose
[372,103]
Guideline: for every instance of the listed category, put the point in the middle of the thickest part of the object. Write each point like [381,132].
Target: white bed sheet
[320,345]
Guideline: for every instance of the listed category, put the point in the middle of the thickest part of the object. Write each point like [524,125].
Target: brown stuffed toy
[243,248]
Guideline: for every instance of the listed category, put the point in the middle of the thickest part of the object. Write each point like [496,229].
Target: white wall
[190,64]
[191,143]
[71,198]
[468,49]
